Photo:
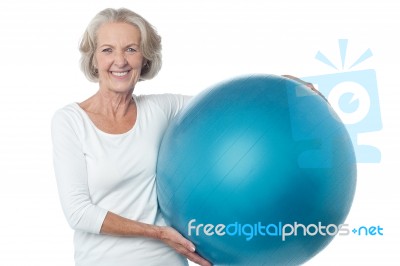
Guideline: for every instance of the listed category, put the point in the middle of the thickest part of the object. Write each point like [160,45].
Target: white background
[203,42]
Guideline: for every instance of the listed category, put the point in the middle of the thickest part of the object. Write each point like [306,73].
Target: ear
[94,62]
[95,68]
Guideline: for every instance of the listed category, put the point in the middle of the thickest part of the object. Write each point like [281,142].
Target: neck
[111,104]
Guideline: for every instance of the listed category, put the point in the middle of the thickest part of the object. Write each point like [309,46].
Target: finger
[189,245]
[311,86]
[179,239]
[294,78]
[308,84]
[187,249]
[194,257]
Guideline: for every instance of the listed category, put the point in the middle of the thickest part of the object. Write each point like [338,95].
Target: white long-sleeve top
[98,172]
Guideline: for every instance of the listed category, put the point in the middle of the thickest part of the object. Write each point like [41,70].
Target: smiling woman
[106,147]
[149,42]
[118,59]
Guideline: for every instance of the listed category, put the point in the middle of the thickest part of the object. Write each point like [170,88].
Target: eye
[130,50]
[107,50]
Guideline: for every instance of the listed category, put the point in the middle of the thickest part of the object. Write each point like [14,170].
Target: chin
[119,86]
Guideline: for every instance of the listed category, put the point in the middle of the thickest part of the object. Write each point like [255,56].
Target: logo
[354,97]
[279,229]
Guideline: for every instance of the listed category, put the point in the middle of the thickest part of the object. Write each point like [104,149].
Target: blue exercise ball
[257,170]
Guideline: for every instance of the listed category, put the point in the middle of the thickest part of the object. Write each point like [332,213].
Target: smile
[119,74]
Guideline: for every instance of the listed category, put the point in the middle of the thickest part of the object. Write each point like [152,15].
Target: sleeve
[71,175]
[172,104]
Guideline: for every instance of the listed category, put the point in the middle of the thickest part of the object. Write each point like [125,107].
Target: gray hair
[150,42]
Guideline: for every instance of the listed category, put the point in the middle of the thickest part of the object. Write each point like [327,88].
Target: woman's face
[118,57]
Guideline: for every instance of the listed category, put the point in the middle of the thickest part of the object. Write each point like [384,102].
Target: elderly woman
[105,150]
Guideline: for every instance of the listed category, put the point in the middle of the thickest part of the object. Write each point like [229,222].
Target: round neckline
[106,133]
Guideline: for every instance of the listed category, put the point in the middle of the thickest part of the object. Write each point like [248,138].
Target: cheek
[103,62]
[137,62]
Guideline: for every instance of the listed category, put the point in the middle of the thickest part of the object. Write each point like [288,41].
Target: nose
[120,59]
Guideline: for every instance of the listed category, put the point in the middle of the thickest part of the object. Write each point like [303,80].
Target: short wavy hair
[150,42]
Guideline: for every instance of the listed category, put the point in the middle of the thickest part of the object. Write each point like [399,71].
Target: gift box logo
[354,97]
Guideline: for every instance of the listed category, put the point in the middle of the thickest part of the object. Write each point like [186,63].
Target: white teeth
[120,74]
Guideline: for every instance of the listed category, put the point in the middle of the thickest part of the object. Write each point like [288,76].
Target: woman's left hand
[308,84]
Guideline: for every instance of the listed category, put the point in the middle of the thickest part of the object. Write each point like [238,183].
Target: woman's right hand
[183,246]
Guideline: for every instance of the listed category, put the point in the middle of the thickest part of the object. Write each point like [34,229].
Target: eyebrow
[112,46]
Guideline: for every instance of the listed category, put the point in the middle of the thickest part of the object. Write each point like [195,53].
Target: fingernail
[193,248]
